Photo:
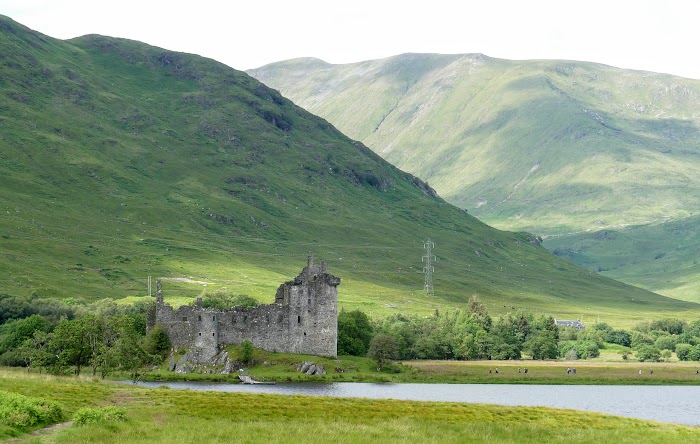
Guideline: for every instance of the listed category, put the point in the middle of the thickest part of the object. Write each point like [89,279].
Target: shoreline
[470,372]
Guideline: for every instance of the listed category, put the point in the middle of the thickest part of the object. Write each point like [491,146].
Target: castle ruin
[303,319]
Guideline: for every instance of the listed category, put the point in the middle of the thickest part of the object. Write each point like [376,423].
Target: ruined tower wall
[303,319]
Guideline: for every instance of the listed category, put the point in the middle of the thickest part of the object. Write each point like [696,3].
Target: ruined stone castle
[303,319]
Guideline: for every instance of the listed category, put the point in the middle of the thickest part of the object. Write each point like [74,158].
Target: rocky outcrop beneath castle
[303,320]
[194,361]
[311,369]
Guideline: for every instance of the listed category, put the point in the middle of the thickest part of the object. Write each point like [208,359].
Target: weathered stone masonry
[303,319]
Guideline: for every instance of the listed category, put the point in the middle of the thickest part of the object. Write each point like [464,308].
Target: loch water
[673,404]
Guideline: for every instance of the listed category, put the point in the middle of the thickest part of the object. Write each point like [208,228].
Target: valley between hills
[120,160]
[603,163]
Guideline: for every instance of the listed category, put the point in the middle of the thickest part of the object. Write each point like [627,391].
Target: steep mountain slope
[119,160]
[556,148]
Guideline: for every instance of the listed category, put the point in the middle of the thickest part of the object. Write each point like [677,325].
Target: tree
[666,342]
[694,354]
[683,351]
[549,324]
[507,340]
[354,333]
[36,351]
[478,312]
[16,331]
[247,351]
[671,325]
[543,345]
[587,349]
[383,348]
[693,328]
[157,341]
[637,339]
[404,329]
[19,307]
[620,337]
[75,342]
[126,348]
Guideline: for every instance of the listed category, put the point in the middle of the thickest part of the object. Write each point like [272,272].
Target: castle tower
[303,319]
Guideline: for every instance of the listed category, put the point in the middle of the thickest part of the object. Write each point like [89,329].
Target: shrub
[22,411]
[247,351]
[683,351]
[694,354]
[667,342]
[12,358]
[648,353]
[89,415]
[383,348]
[620,337]
[587,349]
[637,339]
[671,325]
[157,341]
[580,349]
[354,333]
[225,299]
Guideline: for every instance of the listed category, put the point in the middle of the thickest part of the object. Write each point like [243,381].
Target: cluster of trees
[461,334]
[103,337]
[658,339]
[473,334]
[18,307]
[106,337]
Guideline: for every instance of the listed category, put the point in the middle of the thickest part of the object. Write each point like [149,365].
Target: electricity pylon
[428,270]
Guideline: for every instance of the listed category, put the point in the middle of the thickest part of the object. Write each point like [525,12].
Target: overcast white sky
[659,36]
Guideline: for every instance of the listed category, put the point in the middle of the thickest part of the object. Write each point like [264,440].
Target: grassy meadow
[163,415]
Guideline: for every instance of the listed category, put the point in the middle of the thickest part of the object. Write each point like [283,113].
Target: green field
[162,415]
[609,369]
[120,161]
[558,148]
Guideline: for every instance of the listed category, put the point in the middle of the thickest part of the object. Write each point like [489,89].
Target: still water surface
[675,404]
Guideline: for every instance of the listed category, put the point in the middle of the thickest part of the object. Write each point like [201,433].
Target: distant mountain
[557,148]
[119,160]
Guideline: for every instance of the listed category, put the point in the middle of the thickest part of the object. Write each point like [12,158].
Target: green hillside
[661,257]
[120,160]
[555,148]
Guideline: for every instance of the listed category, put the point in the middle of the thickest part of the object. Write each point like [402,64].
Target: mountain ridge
[122,160]
[556,148]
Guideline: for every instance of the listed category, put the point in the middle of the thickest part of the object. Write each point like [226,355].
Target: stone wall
[303,319]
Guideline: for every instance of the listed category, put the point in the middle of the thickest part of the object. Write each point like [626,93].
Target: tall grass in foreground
[162,415]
